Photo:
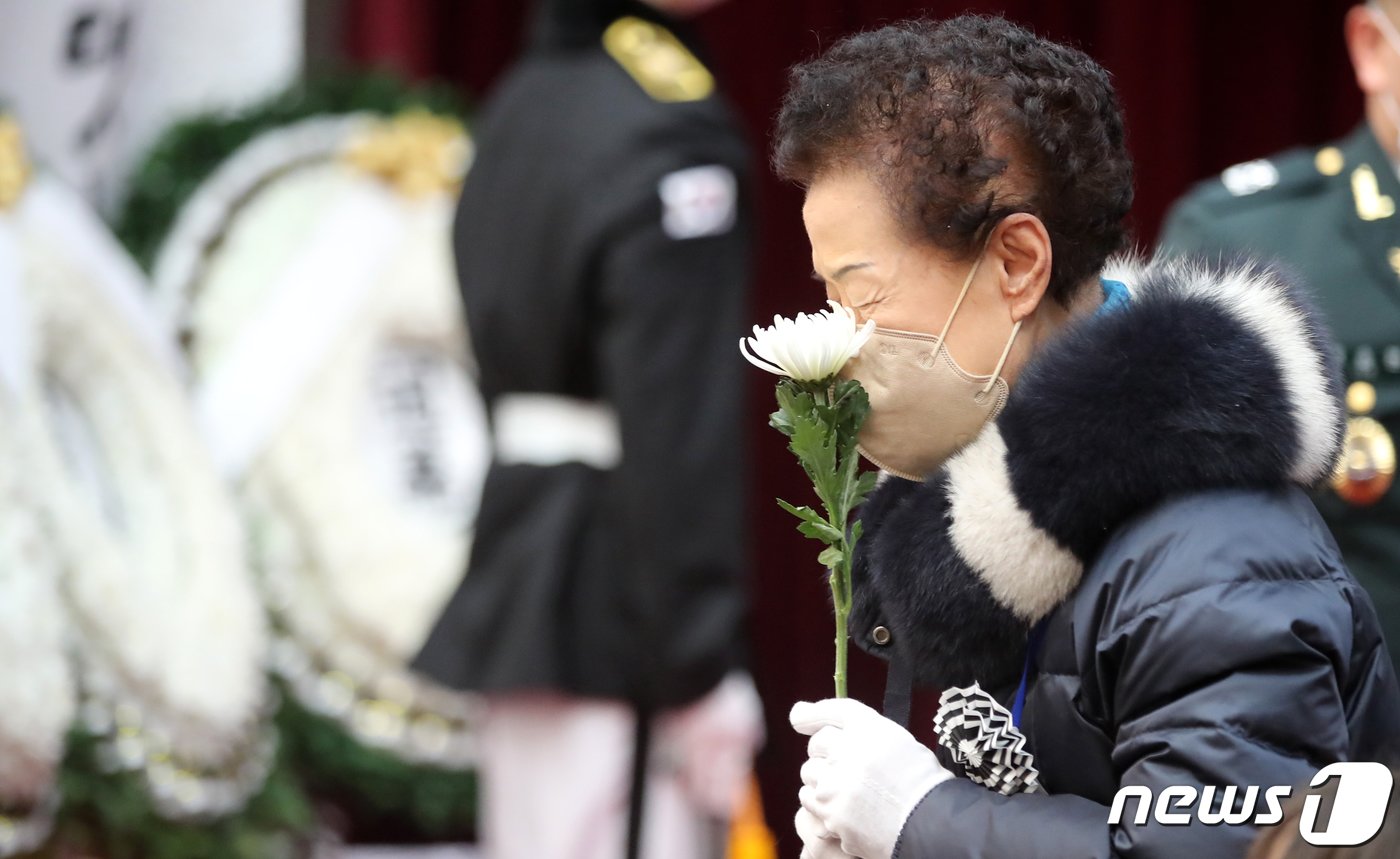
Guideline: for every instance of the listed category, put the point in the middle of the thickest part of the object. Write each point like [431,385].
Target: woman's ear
[1023,246]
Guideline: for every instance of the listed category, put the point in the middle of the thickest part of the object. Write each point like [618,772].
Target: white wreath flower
[813,347]
[171,638]
[38,702]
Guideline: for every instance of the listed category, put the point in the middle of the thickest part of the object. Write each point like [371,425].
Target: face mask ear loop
[967,284]
[1005,353]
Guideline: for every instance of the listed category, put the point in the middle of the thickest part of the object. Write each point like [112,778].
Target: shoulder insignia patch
[657,61]
[1250,177]
[698,201]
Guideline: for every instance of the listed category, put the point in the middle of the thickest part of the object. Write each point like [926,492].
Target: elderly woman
[1095,478]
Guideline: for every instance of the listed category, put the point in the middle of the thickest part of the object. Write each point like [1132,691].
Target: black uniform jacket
[1330,214]
[579,280]
[1141,496]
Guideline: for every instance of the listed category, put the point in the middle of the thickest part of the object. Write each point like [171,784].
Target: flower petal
[762,365]
[809,347]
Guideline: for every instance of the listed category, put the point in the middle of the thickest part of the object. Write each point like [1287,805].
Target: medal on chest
[1367,465]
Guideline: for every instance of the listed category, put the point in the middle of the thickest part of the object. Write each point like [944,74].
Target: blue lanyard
[1033,643]
[1115,296]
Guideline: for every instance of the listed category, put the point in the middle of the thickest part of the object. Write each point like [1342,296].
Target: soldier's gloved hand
[712,743]
[864,774]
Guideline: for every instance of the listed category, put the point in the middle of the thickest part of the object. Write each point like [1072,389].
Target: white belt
[548,429]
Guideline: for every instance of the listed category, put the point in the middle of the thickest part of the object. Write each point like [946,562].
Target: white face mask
[1392,35]
[924,407]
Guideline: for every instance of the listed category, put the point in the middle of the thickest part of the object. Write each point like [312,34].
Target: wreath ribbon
[247,395]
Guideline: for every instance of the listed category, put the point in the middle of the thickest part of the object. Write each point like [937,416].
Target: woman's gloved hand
[863,776]
[817,842]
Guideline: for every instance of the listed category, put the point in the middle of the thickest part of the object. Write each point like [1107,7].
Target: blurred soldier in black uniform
[602,244]
[1330,213]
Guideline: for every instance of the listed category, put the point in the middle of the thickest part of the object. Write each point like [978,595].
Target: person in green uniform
[1330,214]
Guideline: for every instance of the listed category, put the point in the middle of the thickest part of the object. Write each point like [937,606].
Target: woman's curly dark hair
[963,122]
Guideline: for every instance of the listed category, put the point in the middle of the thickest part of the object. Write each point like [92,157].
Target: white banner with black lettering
[95,82]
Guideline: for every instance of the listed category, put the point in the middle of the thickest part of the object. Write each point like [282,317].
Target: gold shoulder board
[657,60]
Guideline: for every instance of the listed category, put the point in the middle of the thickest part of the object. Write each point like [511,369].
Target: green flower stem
[840,596]
[840,578]
[821,420]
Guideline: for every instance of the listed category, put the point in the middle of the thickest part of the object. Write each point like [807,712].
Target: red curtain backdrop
[1204,84]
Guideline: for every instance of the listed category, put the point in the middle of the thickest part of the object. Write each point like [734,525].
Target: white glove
[712,742]
[817,842]
[864,774]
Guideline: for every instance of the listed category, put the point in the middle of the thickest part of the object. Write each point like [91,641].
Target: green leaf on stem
[798,418]
[781,422]
[831,557]
[861,488]
[813,445]
[812,524]
[793,400]
[818,529]
[851,406]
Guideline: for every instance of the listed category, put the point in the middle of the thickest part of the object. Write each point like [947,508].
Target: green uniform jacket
[1329,214]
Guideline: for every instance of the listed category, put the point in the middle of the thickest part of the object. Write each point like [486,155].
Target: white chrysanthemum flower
[811,348]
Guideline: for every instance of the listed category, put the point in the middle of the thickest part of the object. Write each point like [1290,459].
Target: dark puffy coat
[1141,496]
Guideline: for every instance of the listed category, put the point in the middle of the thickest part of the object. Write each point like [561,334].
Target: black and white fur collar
[1214,376]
